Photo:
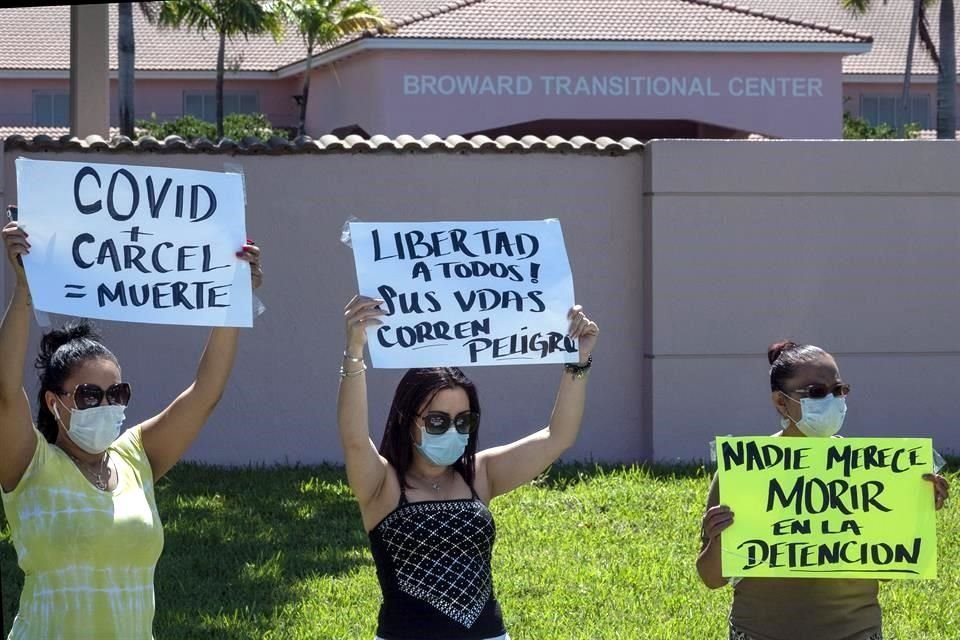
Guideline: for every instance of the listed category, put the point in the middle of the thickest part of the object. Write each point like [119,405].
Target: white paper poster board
[466,293]
[134,243]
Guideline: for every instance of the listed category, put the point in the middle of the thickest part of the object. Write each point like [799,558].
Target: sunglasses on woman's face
[818,391]
[88,396]
[437,422]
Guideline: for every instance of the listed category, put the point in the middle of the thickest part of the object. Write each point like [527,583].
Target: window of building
[878,110]
[51,109]
[204,105]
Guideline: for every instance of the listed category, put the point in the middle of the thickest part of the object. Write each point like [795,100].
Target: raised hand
[16,244]
[251,253]
[361,312]
[584,329]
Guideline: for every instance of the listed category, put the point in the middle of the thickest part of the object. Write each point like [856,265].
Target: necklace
[433,485]
[98,480]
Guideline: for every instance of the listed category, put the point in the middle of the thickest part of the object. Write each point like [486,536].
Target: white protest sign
[136,244]
[466,293]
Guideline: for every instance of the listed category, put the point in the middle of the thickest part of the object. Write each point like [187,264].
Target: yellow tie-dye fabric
[88,556]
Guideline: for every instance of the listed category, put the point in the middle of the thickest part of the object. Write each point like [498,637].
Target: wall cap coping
[328,144]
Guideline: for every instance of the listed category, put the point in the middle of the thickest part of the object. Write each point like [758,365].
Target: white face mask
[94,429]
[820,417]
[443,449]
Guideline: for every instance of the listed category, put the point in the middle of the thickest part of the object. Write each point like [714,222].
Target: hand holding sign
[251,253]
[361,312]
[941,489]
[584,330]
[715,520]
[16,244]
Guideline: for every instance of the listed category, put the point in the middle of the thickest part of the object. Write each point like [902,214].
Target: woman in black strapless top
[424,493]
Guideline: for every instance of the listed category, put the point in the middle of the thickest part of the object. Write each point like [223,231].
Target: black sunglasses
[437,422]
[88,396]
[818,391]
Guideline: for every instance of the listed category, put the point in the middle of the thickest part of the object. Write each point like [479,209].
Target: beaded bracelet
[350,374]
[579,371]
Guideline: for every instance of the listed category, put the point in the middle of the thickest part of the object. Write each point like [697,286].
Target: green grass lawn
[583,553]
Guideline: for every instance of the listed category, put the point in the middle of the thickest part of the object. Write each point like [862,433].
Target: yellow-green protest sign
[828,507]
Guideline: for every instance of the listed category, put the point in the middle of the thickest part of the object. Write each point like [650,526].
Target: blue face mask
[443,449]
[820,417]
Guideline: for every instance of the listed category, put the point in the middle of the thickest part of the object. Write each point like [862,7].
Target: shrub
[860,129]
[235,126]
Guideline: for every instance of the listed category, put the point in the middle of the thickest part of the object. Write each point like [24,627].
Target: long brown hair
[417,389]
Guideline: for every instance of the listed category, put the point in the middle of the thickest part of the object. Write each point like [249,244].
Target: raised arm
[509,466]
[168,435]
[366,468]
[17,436]
[717,518]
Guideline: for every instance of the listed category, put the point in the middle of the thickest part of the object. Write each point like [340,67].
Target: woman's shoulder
[129,446]
[39,466]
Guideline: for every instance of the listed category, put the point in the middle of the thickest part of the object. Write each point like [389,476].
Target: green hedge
[235,126]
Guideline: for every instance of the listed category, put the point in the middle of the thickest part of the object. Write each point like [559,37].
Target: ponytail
[61,350]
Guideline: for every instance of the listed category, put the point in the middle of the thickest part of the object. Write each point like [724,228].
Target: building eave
[141,74]
[613,46]
[887,78]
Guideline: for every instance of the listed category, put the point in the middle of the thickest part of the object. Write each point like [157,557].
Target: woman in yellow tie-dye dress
[79,496]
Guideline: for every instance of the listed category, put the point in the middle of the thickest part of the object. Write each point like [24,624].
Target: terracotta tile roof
[330,144]
[630,20]
[38,37]
[888,22]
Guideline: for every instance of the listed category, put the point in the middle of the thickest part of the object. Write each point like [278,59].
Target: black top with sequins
[433,564]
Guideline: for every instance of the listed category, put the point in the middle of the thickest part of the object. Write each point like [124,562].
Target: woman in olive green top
[811,400]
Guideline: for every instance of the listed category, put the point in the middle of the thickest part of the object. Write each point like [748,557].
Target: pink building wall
[419,92]
[16,98]
[163,97]
[347,93]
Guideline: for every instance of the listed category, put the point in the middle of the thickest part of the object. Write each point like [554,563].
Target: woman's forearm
[14,334]
[709,565]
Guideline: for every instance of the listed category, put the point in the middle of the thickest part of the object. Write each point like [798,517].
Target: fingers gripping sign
[17,245]
[361,313]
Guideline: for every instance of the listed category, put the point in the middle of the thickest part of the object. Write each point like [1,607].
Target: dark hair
[786,357]
[62,350]
[416,389]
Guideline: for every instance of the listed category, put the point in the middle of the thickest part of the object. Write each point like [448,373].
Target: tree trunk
[221,52]
[947,78]
[908,69]
[125,72]
[302,129]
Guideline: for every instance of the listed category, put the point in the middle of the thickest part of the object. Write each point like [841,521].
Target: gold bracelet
[350,374]
[350,358]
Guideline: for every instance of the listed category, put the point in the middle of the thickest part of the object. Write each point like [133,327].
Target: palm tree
[126,60]
[125,66]
[229,19]
[945,60]
[324,22]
